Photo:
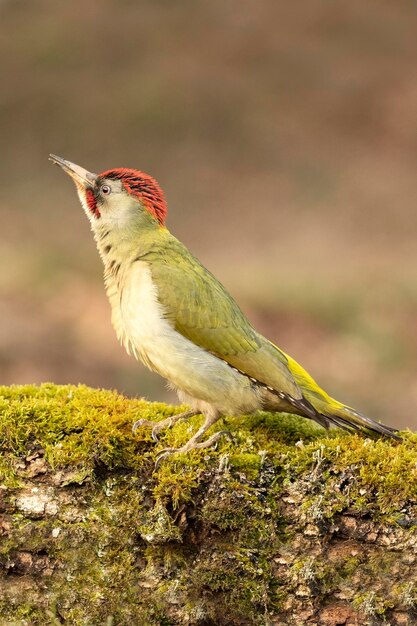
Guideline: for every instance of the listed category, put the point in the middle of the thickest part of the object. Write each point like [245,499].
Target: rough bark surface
[287,525]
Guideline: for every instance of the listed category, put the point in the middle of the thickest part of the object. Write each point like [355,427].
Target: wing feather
[202,310]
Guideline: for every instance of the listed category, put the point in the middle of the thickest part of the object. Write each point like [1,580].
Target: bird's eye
[106,190]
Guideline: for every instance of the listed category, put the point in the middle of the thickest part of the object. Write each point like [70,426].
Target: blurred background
[285,138]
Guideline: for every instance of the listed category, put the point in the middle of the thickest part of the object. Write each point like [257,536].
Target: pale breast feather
[139,321]
[142,326]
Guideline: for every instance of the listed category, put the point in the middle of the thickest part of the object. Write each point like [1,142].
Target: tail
[328,411]
[347,418]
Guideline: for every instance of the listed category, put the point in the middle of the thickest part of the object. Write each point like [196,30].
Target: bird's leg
[157,427]
[194,442]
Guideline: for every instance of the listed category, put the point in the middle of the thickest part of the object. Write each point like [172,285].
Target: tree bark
[287,525]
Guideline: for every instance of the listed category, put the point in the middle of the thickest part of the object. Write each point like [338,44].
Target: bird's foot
[192,444]
[157,427]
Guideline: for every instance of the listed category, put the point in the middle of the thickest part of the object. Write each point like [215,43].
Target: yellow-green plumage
[203,311]
[174,315]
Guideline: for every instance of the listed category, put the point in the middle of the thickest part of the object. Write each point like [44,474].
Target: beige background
[285,137]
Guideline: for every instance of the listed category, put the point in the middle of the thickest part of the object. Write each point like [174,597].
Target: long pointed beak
[77,173]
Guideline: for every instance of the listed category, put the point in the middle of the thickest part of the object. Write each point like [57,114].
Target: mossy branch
[286,525]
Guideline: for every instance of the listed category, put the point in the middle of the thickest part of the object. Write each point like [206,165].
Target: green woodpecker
[173,314]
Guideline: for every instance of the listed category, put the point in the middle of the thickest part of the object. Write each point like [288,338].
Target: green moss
[247,582]
[247,463]
[158,527]
[371,604]
[75,426]
[205,525]
[84,428]
[383,473]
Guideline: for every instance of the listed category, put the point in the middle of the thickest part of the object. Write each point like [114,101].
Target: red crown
[144,187]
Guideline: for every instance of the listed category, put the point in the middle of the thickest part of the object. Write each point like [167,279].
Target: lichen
[269,526]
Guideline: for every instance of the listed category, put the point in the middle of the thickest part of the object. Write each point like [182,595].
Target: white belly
[139,321]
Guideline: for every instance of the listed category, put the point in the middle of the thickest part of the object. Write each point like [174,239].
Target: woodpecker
[170,312]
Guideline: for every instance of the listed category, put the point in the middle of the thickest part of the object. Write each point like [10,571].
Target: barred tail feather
[329,411]
[353,421]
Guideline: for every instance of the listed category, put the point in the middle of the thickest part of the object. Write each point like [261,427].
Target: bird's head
[120,197]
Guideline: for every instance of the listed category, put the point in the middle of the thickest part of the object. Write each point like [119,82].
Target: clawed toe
[154,434]
[194,443]
[140,423]
[191,445]
[225,433]
[157,427]
[160,426]
[164,454]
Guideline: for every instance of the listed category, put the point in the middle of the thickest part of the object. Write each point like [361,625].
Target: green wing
[201,310]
